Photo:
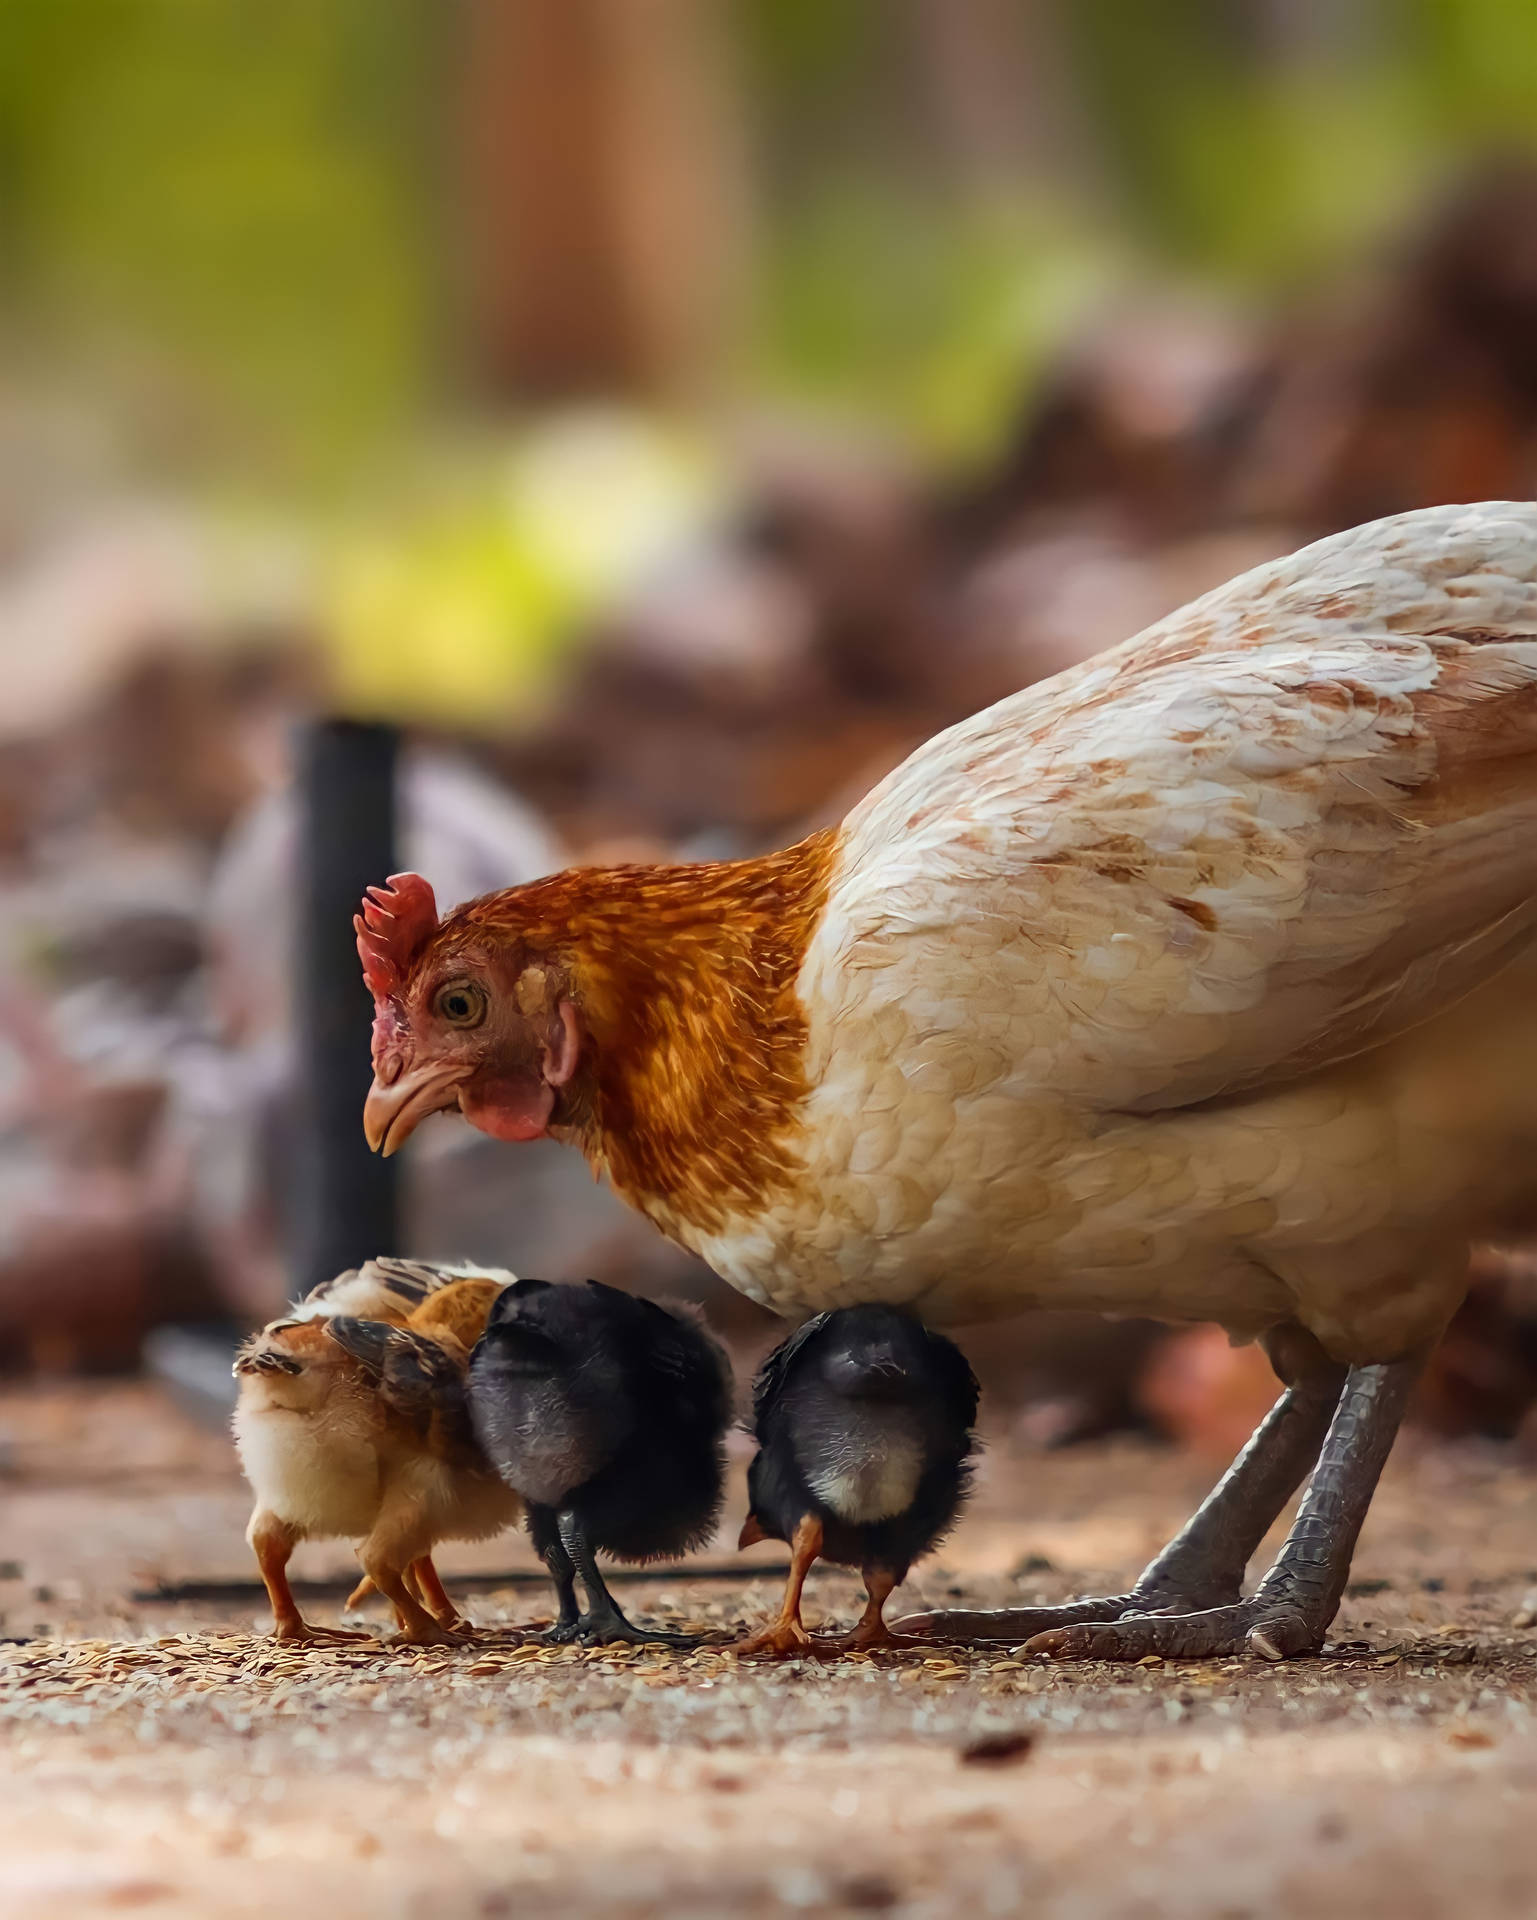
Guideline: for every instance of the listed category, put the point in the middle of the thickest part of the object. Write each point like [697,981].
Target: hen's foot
[1203,1568]
[560,1634]
[783,1640]
[1016,1624]
[1298,1598]
[300,1633]
[1273,1630]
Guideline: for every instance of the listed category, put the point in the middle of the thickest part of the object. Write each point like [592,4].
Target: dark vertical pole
[344,1208]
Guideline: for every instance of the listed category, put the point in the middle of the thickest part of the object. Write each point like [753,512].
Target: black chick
[607,1414]
[864,1425]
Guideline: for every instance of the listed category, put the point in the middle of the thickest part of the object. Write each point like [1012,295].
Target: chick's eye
[462,1004]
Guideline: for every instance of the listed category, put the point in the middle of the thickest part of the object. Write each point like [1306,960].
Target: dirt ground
[162,1755]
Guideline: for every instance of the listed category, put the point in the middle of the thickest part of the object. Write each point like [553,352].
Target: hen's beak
[391,1114]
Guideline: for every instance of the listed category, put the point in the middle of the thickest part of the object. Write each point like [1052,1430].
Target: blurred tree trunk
[603,203]
[1001,94]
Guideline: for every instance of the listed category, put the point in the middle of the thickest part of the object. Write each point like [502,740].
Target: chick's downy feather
[589,1397]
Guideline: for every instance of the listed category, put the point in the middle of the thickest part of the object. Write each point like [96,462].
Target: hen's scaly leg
[604,1621]
[1203,1566]
[1291,1610]
[786,1635]
[273,1541]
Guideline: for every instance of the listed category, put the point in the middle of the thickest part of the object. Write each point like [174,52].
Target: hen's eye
[461,1003]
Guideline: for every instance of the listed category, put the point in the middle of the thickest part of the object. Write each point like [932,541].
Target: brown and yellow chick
[393,1290]
[458,1310]
[356,1428]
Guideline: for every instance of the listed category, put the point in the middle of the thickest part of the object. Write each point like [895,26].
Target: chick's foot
[560,1633]
[782,1640]
[431,1634]
[301,1633]
[873,1639]
[602,1627]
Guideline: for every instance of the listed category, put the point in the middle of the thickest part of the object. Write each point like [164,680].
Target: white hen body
[1198,981]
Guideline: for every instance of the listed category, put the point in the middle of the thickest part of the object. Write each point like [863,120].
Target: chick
[864,1425]
[607,1413]
[393,1290]
[358,1429]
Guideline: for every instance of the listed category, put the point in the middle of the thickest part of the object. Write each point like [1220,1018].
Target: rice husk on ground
[167,1756]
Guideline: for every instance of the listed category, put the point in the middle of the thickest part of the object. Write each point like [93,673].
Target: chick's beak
[394,1110]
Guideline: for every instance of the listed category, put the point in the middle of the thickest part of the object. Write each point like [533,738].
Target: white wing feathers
[1294,818]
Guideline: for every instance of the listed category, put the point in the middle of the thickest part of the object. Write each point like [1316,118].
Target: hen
[1197,982]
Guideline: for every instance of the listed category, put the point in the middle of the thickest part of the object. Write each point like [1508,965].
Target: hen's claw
[1015,1624]
[1251,1626]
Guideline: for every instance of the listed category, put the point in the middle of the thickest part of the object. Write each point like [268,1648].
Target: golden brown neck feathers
[685,981]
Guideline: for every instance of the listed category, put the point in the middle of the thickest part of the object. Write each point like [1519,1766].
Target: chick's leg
[786,1635]
[389,1556]
[1203,1566]
[603,1620]
[415,1626]
[870,1630]
[273,1541]
[423,1576]
[365,1590]
[1291,1610]
[545,1530]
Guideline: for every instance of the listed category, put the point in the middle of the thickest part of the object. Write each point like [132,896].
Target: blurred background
[641,422]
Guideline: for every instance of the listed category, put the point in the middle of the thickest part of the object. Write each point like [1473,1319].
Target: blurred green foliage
[456,604]
[238,210]
[227,227]
[1265,141]
[1244,141]
[222,204]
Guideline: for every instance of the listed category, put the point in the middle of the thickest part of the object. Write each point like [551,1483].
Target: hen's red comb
[396,922]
